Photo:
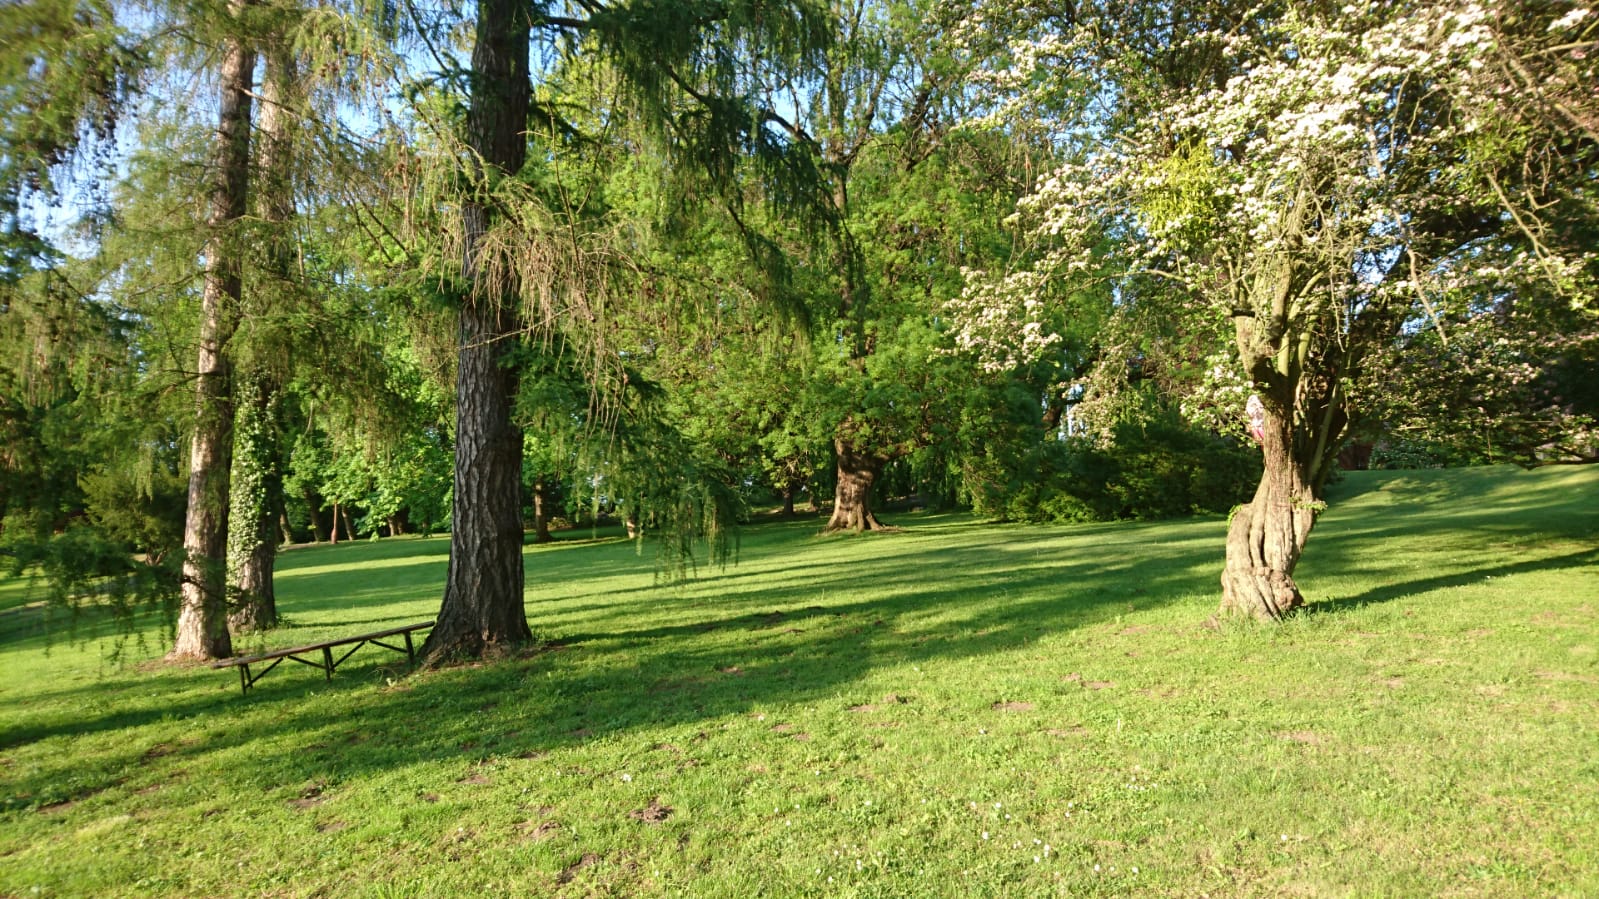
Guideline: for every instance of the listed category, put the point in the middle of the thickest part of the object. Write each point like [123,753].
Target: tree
[202,628]
[1301,186]
[677,69]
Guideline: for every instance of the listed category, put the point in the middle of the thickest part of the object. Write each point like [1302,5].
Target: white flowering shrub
[1311,183]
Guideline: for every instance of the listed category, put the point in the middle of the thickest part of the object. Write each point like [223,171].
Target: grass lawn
[960,709]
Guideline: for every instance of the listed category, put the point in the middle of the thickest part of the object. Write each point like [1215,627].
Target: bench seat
[320,655]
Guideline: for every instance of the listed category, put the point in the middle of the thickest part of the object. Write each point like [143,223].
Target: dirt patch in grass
[475,780]
[1012,706]
[654,813]
[1307,737]
[801,737]
[890,699]
[588,860]
[331,826]
[782,728]
[1099,684]
[536,833]
[310,797]
[1076,730]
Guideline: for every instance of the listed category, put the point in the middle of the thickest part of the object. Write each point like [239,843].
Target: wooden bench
[323,651]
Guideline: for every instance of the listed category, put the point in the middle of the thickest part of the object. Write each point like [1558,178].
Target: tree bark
[202,627]
[257,488]
[1266,537]
[483,611]
[256,496]
[541,512]
[852,498]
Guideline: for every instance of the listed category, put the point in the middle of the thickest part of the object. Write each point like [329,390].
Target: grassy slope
[914,714]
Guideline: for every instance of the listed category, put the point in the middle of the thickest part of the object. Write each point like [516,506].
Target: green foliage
[1161,469]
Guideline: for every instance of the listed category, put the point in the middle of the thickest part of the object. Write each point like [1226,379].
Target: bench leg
[244,679]
[327,661]
[410,654]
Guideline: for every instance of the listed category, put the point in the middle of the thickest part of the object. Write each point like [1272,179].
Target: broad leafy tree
[1299,187]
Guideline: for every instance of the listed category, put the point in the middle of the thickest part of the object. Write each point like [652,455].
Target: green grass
[918,713]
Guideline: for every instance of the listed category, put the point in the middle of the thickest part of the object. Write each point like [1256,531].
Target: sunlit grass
[958,709]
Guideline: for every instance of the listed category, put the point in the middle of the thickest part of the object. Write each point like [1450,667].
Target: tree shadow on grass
[641,663]
[1402,589]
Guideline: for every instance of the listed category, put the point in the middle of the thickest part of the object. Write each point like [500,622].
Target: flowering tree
[1299,187]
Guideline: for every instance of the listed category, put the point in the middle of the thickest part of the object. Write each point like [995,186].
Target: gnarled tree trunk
[202,628]
[1267,536]
[852,498]
[483,607]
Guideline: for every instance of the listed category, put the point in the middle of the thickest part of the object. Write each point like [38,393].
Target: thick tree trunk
[202,628]
[257,495]
[333,535]
[541,512]
[483,610]
[257,481]
[852,499]
[1267,536]
[788,502]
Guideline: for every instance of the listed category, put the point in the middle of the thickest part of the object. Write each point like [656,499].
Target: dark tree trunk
[483,610]
[788,501]
[283,526]
[541,512]
[313,505]
[852,498]
[256,496]
[1267,536]
[202,627]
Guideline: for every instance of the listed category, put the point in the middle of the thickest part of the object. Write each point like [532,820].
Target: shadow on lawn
[779,629]
[1457,578]
[664,660]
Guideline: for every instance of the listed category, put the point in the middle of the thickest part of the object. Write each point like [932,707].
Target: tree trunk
[1267,536]
[788,501]
[202,628]
[541,512]
[852,499]
[313,505]
[256,496]
[333,536]
[257,488]
[483,610]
